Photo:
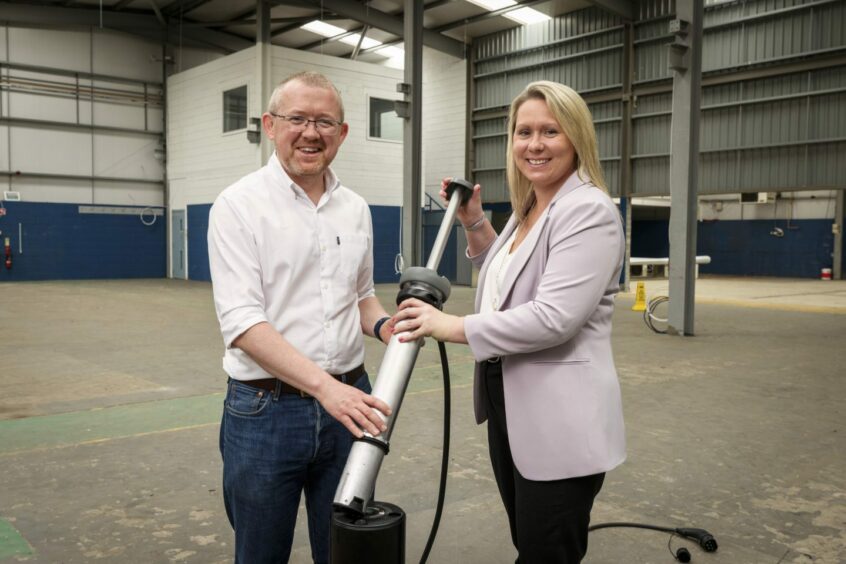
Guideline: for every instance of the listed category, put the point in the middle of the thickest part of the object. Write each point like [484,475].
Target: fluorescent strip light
[390,51]
[526,16]
[331,31]
[366,43]
[323,28]
[493,4]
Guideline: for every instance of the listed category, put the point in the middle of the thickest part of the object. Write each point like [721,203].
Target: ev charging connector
[358,520]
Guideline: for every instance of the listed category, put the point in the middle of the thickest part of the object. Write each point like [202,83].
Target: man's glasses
[300,123]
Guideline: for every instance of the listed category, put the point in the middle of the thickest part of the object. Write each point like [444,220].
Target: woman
[545,379]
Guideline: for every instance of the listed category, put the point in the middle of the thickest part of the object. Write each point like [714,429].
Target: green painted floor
[103,424]
[11,541]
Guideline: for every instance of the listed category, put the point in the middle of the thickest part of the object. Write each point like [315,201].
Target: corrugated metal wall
[771,134]
[758,132]
[582,49]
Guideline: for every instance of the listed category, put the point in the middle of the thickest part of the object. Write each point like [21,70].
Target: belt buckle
[303,394]
[494,360]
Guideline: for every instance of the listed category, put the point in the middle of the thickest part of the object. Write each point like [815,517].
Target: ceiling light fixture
[390,51]
[493,4]
[366,43]
[331,31]
[524,16]
[323,28]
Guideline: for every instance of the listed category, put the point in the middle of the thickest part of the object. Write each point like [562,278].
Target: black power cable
[705,539]
[444,459]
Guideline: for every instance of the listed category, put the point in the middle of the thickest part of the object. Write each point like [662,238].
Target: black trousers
[549,519]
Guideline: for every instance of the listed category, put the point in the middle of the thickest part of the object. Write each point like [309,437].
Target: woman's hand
[470,212]
[415,319]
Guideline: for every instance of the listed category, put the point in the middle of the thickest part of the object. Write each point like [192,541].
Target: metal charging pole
[359,521]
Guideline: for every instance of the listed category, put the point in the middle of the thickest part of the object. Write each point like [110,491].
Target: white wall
[59,148]
[4,131]
[812,204]
[184,58]
[444,118]
[202,160]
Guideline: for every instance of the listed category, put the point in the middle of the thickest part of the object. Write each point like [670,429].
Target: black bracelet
[378,327]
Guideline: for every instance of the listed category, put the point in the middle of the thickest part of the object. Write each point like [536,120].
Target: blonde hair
[309,78]
[574,118]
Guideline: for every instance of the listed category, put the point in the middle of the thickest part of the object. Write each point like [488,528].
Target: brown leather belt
[274,384]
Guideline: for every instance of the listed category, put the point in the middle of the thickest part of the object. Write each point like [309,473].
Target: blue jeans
[273,449]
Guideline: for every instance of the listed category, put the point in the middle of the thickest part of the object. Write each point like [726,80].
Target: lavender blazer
[553,332]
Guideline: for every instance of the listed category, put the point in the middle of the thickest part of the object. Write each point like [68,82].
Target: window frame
[367,124]
[223,129]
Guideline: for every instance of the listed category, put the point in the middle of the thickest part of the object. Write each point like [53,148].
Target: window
[235,109]
[384,121]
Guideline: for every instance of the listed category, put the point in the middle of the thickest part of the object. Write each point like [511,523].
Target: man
[291,261]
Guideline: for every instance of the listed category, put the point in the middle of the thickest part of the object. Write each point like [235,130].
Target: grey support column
[626,147]
[839,217]
[686,62]
[165,183]
[263,72]
[412,134]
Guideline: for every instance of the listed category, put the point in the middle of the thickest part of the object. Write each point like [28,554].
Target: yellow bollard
[640,298]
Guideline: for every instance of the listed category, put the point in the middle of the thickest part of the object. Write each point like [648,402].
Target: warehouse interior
[122,120]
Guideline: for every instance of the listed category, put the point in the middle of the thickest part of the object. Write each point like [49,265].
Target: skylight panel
[391,51]
[493,4]
[366,43]
[323,28]
[524,16]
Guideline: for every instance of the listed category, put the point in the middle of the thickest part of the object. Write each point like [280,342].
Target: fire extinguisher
[8,251]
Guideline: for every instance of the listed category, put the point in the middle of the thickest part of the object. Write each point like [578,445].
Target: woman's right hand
[470,212]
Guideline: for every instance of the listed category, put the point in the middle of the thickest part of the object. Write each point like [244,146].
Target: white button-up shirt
[303,268]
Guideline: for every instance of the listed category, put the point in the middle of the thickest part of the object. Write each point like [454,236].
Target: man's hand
[355,410]
[386,331]
[349,405]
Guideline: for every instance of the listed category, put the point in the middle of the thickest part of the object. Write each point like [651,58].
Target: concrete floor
[110,397]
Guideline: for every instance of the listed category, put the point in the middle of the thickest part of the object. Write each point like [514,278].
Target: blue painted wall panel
[431,225]
[386,232]
[59,243]
[746,248]
[386,242]
[198,245]
[650,239]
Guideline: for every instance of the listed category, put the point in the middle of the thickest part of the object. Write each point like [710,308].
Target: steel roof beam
[183,7]
[621,8]
[134,23]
